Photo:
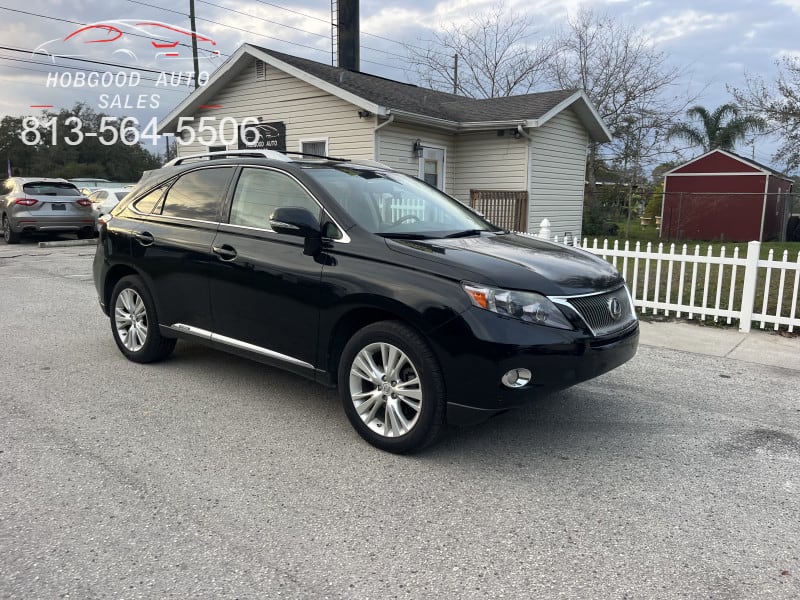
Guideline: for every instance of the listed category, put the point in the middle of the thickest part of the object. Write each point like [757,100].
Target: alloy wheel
[385,389]
[130,319]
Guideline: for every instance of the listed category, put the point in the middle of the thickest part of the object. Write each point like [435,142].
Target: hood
[517,262]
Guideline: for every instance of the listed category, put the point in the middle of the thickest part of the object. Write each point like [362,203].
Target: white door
[431,167]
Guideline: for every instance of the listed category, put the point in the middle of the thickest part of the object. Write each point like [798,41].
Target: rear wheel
[134,323]
[9,236]
[85,234]
[391,387]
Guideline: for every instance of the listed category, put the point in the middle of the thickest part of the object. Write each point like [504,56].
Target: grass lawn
[718,288]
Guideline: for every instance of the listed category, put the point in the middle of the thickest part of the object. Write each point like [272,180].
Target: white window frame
[314,140]
[421,164]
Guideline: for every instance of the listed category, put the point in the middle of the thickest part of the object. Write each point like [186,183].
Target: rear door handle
[225,252]
[145,238]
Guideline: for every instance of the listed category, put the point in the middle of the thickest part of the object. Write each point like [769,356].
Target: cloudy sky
[714,42]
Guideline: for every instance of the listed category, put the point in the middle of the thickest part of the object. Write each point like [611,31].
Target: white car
[104,199]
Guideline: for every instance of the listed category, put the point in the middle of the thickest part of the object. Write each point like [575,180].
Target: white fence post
[749,288]
[544,229]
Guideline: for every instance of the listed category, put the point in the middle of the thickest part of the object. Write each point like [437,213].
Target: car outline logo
[163,37]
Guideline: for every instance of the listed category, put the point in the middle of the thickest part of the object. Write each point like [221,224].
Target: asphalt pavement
[676,475]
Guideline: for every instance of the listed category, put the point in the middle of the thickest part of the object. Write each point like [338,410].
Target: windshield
[396,205]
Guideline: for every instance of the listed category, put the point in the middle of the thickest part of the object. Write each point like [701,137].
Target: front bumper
[476,349]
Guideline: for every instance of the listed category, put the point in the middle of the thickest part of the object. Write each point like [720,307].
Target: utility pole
[455,74]
[194,45]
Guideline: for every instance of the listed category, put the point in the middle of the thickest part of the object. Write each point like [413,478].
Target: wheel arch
[113,276]
[357,318]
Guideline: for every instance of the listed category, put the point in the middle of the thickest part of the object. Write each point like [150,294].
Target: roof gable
[383,96]
[718,161]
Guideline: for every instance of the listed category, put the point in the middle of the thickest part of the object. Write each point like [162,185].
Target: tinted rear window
[197,194]
[50,188]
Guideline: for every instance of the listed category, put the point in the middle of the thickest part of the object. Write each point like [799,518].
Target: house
[723,196]
[517,159]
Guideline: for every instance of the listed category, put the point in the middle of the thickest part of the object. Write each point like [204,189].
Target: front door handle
[145,238]
[225,252]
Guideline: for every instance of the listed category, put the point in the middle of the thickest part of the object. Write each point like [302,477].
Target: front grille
[596,311]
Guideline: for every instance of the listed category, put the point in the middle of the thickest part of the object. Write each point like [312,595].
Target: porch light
[417,148]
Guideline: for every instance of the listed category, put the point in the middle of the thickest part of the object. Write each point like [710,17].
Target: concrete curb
[63,243]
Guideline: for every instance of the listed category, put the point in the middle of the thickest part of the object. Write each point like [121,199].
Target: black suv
[357,276]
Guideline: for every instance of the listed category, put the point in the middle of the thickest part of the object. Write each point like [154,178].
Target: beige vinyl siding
[486,161]
[557,174]
[308,113]
[394,143]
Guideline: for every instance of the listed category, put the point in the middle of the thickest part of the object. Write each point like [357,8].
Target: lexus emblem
[615,308]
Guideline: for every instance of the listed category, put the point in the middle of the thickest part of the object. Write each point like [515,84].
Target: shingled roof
[425,101]
[387,96]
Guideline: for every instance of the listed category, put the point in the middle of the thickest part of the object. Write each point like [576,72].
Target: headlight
[525,306]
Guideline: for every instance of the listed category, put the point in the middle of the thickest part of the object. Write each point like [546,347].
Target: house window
[261,70]
[318,147]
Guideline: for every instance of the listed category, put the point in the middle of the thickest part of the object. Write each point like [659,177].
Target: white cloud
[792,4]
[686,23]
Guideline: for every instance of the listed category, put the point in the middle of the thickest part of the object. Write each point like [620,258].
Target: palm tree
[719,129]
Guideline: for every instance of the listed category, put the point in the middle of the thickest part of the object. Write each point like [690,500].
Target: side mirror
[293,220]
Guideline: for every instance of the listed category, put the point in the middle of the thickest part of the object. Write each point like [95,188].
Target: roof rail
[271,154]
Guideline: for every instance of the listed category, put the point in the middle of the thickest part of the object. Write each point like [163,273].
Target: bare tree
[630,83]
[778,104]
[494,53]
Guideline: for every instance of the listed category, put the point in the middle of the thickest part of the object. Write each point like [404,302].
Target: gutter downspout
[524,133]
[376,153]
[528,167]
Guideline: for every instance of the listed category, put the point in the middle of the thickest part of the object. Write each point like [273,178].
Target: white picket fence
[699,293]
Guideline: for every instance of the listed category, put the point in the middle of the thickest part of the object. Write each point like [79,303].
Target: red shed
[723,196]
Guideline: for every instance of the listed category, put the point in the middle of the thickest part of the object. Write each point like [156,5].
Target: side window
[146,203]
[197,194]
[260,191]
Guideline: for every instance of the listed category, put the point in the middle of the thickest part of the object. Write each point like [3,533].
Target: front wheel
[392,388]
[134,323]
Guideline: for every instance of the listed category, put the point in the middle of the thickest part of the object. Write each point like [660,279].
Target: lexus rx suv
[419,310]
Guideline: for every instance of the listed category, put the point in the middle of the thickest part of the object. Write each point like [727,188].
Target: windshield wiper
[466,233]
[404,236]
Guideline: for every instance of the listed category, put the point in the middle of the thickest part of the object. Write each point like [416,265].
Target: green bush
[653,208]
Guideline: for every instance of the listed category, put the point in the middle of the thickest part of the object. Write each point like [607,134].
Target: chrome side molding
[210,336]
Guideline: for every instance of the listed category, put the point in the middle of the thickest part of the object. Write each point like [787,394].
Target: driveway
[675,476]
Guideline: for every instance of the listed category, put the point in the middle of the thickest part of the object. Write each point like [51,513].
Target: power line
[324,36]
[270,37]
[33,62]
[176,12]
[16,10]
[62,20]
[327,22]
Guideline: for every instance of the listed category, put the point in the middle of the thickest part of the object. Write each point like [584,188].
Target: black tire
[9,236]
[85,234]
[394,420]
[134,322]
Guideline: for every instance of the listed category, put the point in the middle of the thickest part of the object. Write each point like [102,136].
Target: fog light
[516,378]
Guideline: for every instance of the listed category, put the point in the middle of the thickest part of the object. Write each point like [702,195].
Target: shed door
[431,167]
